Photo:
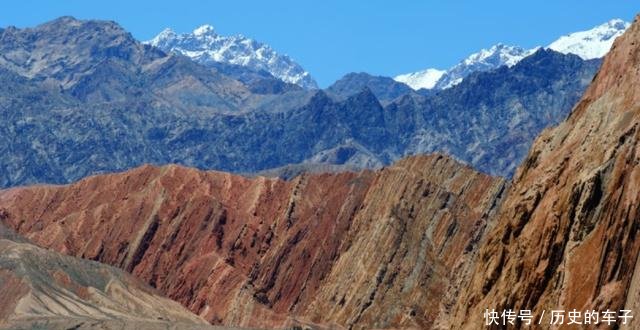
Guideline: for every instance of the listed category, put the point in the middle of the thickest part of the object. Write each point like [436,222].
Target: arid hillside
[354,250]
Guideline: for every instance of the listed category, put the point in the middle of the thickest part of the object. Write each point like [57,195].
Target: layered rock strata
[353,250]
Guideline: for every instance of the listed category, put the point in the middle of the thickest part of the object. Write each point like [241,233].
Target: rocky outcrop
[44,289]
[418,226]
[566,235]
[353,250]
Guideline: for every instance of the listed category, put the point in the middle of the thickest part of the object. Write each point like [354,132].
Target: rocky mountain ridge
[425,243]
[102,102]
[590,44]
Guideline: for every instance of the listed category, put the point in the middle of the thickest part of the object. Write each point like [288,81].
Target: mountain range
[426,243]
[84,97]
[590,44]
[205,46]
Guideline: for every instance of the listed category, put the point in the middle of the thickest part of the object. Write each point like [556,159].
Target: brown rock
[566,235]
[357,250]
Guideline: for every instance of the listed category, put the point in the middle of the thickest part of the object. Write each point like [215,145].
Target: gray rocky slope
[42,289]
[84,97]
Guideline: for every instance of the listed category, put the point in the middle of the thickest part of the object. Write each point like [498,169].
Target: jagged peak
[65,24]
[66,19]
[364,96]
[507,54]
[205,46]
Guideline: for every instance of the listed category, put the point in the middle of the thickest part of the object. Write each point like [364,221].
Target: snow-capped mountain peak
[590,44]
[498,55]
[484,60]
[164,35]
[205,46]
[421,79]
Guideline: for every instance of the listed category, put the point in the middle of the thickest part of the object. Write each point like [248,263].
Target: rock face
[489,120]
[425,243]
[566,235]
[99,62]
[470,121]
[44,289]
[353,250]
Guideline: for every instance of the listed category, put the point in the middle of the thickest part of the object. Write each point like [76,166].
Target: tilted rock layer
[353,250]
[566,235]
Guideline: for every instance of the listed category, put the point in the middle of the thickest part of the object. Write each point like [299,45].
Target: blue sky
[330,38]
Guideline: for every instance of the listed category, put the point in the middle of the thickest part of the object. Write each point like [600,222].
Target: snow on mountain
[421,79]
[484,60]
[205,46]
[590,44]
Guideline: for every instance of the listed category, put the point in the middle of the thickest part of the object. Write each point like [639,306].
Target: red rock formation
[566,235]
[357,250]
